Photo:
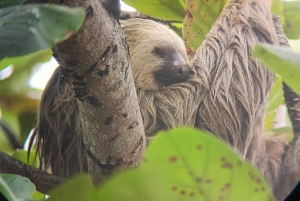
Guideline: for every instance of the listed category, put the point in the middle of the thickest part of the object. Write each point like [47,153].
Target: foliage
[283,61]
[181,164]
[16,188]
[200,15]
[26,29]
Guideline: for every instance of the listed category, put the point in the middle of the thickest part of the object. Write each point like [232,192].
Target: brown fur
[228,97]
[239,86]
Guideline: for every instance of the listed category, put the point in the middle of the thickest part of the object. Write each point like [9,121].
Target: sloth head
[158,55]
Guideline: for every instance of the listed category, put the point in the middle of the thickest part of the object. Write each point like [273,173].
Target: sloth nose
[173,74]
[180,72]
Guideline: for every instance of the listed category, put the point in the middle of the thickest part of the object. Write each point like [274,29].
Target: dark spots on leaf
[189,14]
[199,147]
[89,11]
[204,16]
[239,163]
[115,48]
[108,120]
[198,180]
[227,185]
[258,180]
[104,55]
[200,192]
[208,181]
[144,159]
[256,190]
[105,72]
[262,51]
[192,194]
[93,101]
[288,24]
[227,165]
[182,192]
[223,159]
[221,197]
[92,68]
[174,188]
[192,5]
[173,159]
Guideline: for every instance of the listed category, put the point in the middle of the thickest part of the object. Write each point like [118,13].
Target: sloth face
[157,55]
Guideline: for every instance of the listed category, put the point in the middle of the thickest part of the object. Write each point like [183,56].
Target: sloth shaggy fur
[228,96]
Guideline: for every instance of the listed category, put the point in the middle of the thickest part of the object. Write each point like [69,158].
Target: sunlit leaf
[291,23]
[283,61]
[162,9]
[200,15]
[28,28]
[16,188]
[78,188]
[21,155]
[199,166]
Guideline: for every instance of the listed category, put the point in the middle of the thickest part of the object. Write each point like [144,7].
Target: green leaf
[275,99]
[29,28]
[162,9]
[291,23]
[78,188]
[16,188]
[6,3]
[21,155]
[200,15]
[281,60]
[199,166]
[22,71]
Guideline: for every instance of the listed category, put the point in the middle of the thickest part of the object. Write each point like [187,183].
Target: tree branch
[43,181]
[96,60]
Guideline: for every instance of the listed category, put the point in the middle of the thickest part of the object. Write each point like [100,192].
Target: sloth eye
[159,52]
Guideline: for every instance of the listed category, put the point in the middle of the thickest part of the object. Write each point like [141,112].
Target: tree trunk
[96,59]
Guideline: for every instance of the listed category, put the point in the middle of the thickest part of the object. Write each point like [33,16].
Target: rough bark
[96,60]
[43,181]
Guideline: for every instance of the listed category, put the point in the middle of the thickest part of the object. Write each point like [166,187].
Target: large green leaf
[172,10]
[200,15]
[199,166]
[291,23]
[283,61]
[6,3]
[29,28]
[16,188]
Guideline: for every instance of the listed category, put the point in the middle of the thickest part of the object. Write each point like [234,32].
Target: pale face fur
[144,61]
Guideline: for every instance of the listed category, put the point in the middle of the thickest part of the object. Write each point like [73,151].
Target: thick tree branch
[43,181]
[96,60]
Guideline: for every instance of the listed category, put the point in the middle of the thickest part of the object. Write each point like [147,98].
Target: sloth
[224,91]
[166,87]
